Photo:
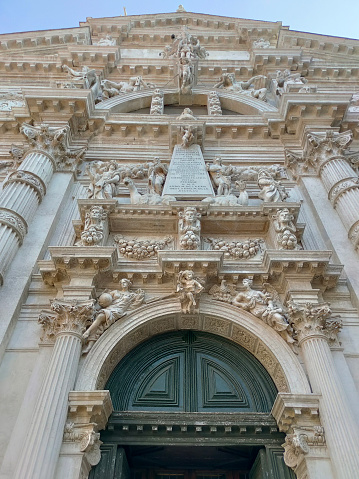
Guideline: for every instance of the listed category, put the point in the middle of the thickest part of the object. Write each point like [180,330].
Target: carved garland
[15,222]
[27,178]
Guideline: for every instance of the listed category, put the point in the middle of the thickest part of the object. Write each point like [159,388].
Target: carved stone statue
[285,229]
[189,228]
[138,198]
[271,189]
[265,305]
[86,75]
[93,233]
[285,78]
[187,114]
[111,88]
[186,75]
[219,176]
[105,179]
[189,289]
[157,172]
[185,45]
[113,305]
[187,136]
[229,82]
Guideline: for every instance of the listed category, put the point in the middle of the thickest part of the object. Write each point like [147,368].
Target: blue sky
[316,16]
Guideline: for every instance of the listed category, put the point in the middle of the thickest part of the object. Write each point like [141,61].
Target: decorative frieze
[11,99]
[214,104]
[235,250]
[14,221]
[27,178]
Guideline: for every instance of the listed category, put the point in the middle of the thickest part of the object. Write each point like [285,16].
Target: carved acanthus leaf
[66,316]
[313,319]
[86,438]
[322,147]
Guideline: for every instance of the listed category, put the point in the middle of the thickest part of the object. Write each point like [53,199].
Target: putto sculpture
[93,233]
[271,189]
[285,229]
[189,289]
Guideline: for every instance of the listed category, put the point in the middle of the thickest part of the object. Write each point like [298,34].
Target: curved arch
[215,317]
[127,102]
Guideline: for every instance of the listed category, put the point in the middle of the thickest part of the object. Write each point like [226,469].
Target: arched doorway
[191,405]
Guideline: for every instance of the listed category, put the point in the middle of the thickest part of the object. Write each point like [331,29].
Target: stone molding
[341,187]
[65,317]
[215,317]
[27,178]
[14,221]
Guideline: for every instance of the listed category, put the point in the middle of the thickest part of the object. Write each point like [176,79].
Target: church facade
[179,231]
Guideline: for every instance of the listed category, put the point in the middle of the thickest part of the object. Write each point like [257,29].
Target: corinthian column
[315,329]
[325,152]
[65,324]
[24,189]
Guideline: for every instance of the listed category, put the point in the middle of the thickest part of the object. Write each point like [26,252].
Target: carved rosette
[313,320]
[15,222]
[87,440]
[66,317]
[27,178]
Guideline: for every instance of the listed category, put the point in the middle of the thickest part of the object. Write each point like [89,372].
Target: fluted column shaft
[44,440]
[22,193]
[338,421]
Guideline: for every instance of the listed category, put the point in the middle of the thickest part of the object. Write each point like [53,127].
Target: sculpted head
[247,282]
[190,214]
[125,284]
[284,216]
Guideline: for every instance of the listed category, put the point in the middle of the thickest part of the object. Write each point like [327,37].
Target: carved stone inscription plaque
[187,175]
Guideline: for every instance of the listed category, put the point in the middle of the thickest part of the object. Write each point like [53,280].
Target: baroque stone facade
[178,172]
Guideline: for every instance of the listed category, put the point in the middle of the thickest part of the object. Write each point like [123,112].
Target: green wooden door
[191,372]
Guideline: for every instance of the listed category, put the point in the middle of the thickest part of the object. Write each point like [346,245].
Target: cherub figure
[113,305]
[189,289]
[220,180]
[187,137]
[271,190]
[285,229]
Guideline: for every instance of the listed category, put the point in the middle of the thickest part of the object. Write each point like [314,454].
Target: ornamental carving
[285,78]
[15,222]
[237,249]
[53,141]
[140,249]
[86,438]
[189,228]
[186,75]
[310,320]
[214,104]
[185,45]
[157,102]
[109,88]
[265,305]
[285,229]
[95,224]
[27,178]
[17,154]
[86,77]
[261,43]
[297,445]
[227,81]
[188,289]
[321,148]
[66,317]
[11,99]
[341,187]
[110,307]
[138,198]
[106,41]
[271,189]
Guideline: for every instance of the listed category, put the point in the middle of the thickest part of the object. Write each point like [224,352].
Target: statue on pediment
[228,82]
[111,88]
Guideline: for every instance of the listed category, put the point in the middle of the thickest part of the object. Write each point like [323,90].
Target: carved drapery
[64,324]
[316,328]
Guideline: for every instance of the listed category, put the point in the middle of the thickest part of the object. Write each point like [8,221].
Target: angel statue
[189,289]
[265,305]
[113,305]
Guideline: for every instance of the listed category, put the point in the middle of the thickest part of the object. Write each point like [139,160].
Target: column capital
[324,146]
[53,142]
[66,317]
[313,320]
